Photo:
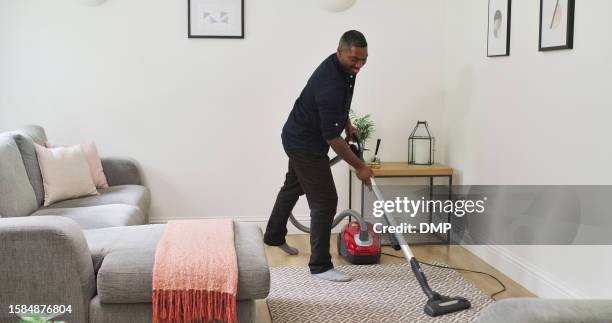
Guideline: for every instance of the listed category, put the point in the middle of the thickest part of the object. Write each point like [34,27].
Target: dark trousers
[311,175]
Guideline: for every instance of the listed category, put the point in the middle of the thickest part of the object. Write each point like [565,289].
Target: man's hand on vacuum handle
[343,150]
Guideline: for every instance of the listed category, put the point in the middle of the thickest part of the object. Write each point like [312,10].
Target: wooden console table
[405,170]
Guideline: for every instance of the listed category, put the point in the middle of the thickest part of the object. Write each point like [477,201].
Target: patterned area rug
[377,293]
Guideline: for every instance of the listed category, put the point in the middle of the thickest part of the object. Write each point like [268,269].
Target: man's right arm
[343,150]
[328,103]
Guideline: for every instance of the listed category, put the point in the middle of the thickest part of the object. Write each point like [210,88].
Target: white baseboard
[525,273]
[260,221]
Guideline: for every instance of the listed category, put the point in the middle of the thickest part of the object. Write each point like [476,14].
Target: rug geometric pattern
[377,293]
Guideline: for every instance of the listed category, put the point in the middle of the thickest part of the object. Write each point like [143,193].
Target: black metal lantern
[421,145]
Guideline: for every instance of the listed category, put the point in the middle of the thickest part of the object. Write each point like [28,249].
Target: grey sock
[288,249]
[333,275]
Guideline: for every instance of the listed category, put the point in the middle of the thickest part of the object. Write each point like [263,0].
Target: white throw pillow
[65,173]
[93,159]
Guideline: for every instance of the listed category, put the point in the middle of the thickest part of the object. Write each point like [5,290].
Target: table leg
[431,183]
[450,197]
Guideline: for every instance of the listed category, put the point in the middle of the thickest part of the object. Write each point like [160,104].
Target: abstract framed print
[556,24]
[498,35]
[215,18]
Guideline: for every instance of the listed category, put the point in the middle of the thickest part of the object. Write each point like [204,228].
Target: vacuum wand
[436,304]
[398,237]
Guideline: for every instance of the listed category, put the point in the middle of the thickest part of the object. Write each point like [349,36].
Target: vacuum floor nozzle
[440,305]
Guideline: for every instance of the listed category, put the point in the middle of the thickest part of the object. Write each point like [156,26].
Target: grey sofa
[535,310]
[96,253]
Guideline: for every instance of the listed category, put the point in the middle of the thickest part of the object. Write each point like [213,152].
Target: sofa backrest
[36,133]
[25,137]
[17,197]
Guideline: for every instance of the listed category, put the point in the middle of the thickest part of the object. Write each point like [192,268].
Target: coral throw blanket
[195,277]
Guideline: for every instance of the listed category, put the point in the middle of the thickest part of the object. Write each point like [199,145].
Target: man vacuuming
[315,123]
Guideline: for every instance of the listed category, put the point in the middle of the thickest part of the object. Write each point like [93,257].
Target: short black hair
[352,38]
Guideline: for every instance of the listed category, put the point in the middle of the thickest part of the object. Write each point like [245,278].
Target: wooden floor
[455,256]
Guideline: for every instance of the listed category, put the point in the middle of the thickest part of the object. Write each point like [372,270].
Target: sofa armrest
[121,171]
[536,310]
[45,260]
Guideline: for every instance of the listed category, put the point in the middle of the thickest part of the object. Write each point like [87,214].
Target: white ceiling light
[92,3]
[336,5]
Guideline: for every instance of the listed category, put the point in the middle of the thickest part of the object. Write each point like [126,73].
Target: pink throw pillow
[93,160]
[65,173]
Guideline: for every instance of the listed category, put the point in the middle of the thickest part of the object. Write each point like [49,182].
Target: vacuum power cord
[458,269]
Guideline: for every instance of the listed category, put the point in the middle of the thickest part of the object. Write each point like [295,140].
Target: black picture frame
[569,37]
[191,34]
[508,28]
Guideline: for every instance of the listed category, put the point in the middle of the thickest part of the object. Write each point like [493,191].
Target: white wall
[203,116]
[532,118]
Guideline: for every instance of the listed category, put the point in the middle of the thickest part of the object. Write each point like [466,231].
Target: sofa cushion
[135,195]
[534,310]
[99,216]
[93,160]
[30,161]
[17,196]
[253,271]
[65,173]
[25,137]
[125,274]
[134,238]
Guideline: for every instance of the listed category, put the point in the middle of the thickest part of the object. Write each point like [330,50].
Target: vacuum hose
[363,226]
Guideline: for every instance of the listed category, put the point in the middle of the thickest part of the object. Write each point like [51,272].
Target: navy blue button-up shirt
[321,111]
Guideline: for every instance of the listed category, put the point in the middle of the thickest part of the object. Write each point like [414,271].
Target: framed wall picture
[556,24]
[215,18]
[498,36]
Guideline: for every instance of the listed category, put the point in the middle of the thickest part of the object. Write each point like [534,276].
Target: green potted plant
[38,319]
[365,126]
